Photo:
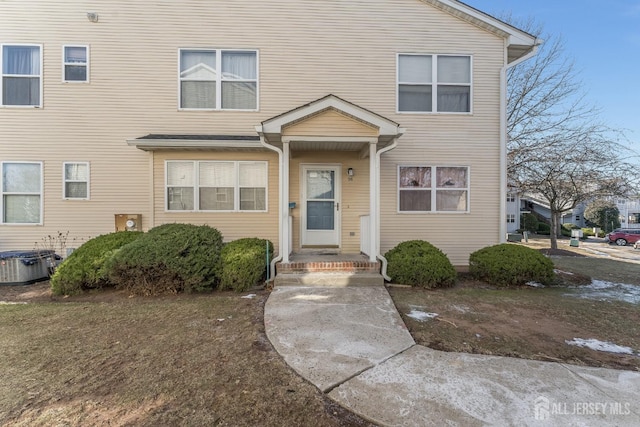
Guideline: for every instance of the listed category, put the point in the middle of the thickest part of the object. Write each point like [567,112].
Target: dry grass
[186,360]
[530,323]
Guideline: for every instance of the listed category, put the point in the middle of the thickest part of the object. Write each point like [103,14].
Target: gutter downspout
[272,272]
[503,135]
[383,260]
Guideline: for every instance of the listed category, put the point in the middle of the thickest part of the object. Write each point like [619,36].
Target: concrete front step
[334,278]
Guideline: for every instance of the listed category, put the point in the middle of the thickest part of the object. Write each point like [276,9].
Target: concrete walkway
[352,344]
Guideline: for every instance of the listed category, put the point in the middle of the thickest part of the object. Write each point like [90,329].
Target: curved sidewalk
[352,344]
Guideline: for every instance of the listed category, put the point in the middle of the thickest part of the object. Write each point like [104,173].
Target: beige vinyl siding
[232,225]
[330,123]
[354,198]
[306,51]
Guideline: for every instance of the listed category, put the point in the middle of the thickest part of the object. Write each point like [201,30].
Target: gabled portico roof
[272,129]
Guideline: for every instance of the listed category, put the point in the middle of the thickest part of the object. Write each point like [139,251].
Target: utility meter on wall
[131,224]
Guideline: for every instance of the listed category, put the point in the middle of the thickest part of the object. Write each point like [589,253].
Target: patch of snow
[421,316]
[250,296]
[221,320]
[607,291]
[568,273]
[11,303]
[535,284]
[598,345]
[460,308]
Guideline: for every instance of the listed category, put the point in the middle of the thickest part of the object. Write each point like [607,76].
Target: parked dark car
[623,237]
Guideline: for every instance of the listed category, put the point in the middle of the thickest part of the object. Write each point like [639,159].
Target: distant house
[331,124]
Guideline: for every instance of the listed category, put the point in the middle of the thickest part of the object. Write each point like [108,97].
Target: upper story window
[218,79]
[433,189]
[76,63]
[21,75]
[216,186]
[21,192]
[434,83]
[511,198]
[76,180]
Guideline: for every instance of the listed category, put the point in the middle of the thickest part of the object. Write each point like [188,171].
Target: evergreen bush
[510,265]
[244,263]
[419,263]
[84,268]
[529,222]
[169,258]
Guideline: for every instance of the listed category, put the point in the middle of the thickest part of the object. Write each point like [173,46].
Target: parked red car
[623,237]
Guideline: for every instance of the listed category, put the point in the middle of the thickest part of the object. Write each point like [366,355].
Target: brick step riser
[346,267]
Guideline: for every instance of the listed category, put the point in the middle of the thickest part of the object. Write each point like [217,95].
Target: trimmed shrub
[84,268]
[529,222]
[544,228]
[169,258]
[244,263]
[510,265]
[419,263]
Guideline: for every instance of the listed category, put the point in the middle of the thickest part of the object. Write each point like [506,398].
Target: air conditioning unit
[128,222]
[25,267]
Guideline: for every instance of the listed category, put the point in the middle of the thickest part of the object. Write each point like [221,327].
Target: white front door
[320,205]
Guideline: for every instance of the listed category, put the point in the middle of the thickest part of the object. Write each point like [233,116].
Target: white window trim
[434,84]
[434,189]
[2,194]
[64,63]
[220,79]
[64,181]
[196,186]
[511,218]
[40,76]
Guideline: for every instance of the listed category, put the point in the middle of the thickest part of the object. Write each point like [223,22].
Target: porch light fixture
[92,17]
[350,171]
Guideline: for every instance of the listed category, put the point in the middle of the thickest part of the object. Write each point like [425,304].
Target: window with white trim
[433,189]
[76,180]
[216,186]
[434,83]
[21,192]
[511,198]
[21,75]
[75,61]
[511,218]
[217,79]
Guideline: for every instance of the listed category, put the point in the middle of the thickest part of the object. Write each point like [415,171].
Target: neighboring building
[513,211]
[383,121]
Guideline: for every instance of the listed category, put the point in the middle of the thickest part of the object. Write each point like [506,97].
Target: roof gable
[519,43]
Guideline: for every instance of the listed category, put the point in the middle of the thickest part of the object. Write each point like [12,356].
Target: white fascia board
[386,127]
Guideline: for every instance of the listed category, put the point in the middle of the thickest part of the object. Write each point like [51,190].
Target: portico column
[284,220]
[373,202]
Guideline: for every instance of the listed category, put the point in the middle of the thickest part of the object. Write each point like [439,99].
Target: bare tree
[558,149]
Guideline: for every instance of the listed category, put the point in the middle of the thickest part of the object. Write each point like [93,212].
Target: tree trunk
[555,223]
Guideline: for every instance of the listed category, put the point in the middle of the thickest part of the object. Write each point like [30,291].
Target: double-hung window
[76,63]
[218,79]
[21,193]
[76,180]
[433,189]
[434,83]
[216,186]
[21,75]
